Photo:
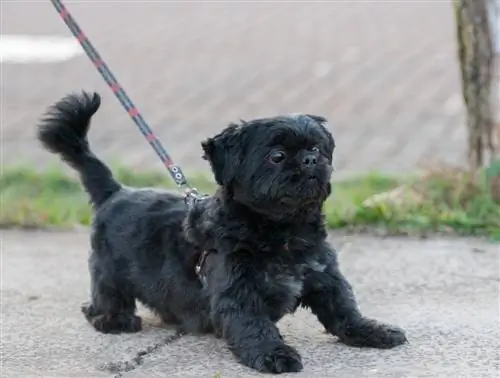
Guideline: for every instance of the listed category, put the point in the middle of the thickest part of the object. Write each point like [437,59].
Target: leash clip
[192,196]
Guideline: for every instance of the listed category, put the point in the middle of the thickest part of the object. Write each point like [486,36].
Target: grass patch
[446,200]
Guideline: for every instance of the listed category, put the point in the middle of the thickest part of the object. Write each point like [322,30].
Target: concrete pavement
[444,292]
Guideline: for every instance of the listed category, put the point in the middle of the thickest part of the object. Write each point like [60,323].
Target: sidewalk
[444,292]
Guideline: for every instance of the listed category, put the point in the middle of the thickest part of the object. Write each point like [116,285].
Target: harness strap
[200,265]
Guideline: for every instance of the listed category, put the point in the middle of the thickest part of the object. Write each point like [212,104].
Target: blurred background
[385,74]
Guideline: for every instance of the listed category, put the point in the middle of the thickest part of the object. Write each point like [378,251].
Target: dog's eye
[277,156]
[314,149]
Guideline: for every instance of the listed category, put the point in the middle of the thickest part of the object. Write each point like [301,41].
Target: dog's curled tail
[63,131]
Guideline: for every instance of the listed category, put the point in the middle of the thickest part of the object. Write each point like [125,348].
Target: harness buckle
[192,196]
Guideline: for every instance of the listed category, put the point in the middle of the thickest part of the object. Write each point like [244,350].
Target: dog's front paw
[274,357]
[373,334]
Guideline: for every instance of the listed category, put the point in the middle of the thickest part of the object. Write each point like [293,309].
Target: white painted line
[38,48]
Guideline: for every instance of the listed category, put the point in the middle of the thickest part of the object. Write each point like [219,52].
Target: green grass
[450,201]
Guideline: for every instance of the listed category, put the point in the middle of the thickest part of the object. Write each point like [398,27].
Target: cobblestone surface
[384,73]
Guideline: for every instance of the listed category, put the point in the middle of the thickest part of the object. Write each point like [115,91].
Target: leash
[174,170]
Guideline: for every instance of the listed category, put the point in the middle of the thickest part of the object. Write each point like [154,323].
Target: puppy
[233,263]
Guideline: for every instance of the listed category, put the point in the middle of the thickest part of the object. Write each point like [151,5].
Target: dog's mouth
[310,184]
[305,198]
[311,191]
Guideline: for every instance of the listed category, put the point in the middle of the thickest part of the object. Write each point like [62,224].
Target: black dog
[260,238]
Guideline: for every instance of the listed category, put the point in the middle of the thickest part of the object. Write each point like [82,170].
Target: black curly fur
[263,227]
[63,130]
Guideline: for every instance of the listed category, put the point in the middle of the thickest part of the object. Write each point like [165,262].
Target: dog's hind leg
[188,306]
[112,309]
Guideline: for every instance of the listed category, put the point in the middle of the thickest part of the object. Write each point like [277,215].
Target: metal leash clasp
[192,196]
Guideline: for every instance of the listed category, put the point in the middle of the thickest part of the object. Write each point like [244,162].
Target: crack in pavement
[120,367]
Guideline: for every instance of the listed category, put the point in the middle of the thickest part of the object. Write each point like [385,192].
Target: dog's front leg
[331,299]
[240,316]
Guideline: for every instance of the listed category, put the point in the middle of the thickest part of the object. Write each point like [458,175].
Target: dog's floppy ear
[323,123]
[223,152]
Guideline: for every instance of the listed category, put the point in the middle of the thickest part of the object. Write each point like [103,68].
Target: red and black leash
[175,170]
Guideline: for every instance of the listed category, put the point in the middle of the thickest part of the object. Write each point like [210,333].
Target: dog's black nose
[309,160]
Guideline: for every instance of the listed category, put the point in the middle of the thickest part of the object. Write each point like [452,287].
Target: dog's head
[279,167]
